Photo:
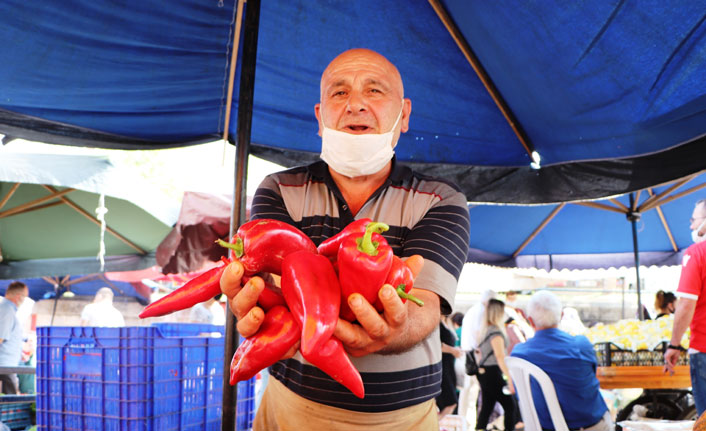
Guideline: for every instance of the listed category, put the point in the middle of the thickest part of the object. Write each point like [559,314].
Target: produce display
[314,285]
[633,334]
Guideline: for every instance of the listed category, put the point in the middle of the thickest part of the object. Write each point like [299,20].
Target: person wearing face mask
[691,309]
[361,114]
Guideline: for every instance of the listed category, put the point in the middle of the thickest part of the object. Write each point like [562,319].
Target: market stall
[630,355]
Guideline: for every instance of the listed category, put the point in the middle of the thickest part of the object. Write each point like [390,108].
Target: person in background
[570,362]
[102,312]
[493,375]
[27,382]
[459,362]
[472,322]
[11,334]
[446,401]
[571,322]
[512,302]
[691,309]
[203,312]
[457,320]
[665,303]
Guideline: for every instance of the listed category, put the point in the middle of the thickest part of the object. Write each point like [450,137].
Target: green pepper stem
[366,243]
[405,295]
[237,247]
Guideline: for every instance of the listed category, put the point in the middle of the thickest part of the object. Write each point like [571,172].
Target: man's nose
[356,102]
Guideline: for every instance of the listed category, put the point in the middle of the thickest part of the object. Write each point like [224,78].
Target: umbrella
[50,216]
[568,86]
[87,285]
[581,84]
[649,228]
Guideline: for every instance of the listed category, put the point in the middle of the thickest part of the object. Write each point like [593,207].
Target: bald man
[361,114]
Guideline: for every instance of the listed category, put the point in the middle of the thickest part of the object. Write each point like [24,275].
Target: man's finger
[230,280]
[368,316]
[395,311]
[351,335]
[247,297]
[415,263]
[250,323]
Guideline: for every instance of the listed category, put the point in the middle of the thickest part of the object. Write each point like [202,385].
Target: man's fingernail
[235,268]
[355,301]
[387,292]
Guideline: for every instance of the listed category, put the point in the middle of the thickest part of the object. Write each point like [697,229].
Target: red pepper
[363,264]
[261,245]
[333,360]
[204,287]
[277,334]
[310,287]
[402,278]
[199,289]
[329,248]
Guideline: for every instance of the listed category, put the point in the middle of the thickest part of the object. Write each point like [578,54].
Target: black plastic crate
[610,355]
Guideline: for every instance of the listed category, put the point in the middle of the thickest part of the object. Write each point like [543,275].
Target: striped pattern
[427,216]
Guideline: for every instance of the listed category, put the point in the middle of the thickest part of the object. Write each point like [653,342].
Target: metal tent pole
[634,217]
[244,127]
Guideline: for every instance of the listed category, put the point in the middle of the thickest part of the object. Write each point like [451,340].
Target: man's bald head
[357,58]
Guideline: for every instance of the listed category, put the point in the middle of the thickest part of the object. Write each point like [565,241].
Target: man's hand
[242,301]
[397,329]
[671,356]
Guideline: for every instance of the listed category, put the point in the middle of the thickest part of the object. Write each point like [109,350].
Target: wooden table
[645,377]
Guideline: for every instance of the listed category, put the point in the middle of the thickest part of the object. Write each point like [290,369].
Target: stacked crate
[164,377]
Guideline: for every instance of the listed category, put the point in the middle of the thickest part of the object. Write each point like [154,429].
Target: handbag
[472,366]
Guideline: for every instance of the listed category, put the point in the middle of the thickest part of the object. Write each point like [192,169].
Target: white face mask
[695,233]
[357,155]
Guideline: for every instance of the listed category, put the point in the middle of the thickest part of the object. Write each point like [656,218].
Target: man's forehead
[360,62]
[700,209]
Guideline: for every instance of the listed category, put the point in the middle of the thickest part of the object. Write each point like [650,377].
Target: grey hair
[544,308]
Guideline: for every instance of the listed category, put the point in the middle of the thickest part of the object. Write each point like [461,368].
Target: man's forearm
[421,321]
[682,318]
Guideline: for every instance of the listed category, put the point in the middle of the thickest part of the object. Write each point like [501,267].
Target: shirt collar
[12,304]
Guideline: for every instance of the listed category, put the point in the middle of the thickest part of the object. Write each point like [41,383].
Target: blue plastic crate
[17,416]
[159,378]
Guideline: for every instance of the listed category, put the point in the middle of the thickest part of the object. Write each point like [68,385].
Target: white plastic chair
[521,371]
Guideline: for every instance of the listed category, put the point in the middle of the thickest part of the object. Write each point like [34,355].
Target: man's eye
[339,93]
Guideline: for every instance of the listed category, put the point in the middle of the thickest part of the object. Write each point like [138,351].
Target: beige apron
[283,410]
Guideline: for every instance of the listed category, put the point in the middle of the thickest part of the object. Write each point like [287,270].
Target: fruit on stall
[633,334]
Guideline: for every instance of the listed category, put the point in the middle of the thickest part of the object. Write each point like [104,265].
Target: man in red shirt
[691,308]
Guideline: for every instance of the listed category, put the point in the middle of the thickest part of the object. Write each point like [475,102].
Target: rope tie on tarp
[100,215]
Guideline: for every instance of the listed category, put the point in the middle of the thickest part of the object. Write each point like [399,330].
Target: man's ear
[531,322]
[317,112]
[406,111]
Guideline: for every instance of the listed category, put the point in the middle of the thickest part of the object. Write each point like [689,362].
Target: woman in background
[492,351]
[665,303]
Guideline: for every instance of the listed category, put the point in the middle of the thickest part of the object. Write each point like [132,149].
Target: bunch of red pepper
[307,307]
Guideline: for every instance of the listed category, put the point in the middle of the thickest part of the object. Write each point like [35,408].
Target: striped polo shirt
[427,216]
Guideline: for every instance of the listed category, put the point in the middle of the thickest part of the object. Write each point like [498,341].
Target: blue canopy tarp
[88,285]
[588,235]
[583,83]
